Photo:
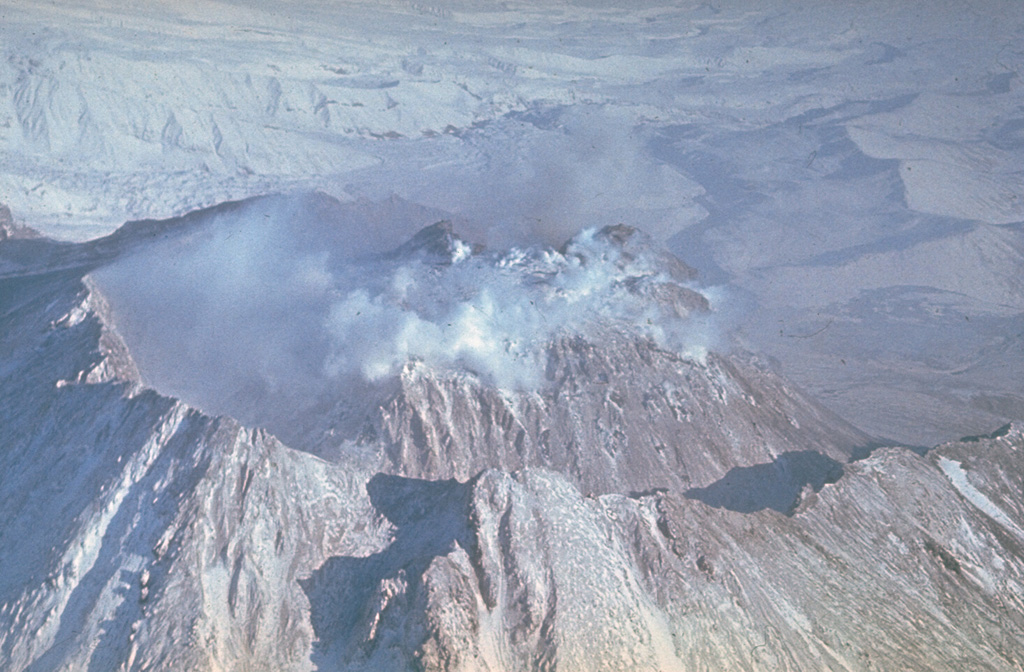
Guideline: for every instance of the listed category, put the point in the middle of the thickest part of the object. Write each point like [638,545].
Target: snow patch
[958,477]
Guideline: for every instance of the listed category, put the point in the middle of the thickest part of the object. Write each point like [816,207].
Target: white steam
[495,314]
[279,308]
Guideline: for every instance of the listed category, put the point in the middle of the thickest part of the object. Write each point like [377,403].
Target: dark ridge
[776,485]
[948,561]
[1002,431]
[867,450]
[650,492]
[35,256]
[430,518]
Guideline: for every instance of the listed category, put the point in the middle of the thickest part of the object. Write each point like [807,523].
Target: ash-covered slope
[597,360]
[137,531]
[621,416]
[626,512]
[890,568]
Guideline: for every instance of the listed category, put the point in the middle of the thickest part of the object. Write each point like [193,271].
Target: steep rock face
[139,532]
[641,510]
[890,568]
[506,572]
[11,230]
[616,417]
[889,564]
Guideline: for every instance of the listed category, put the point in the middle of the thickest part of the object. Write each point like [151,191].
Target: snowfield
[479,336]
[825,160]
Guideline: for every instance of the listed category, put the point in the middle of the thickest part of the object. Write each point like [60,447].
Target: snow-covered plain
[852,171]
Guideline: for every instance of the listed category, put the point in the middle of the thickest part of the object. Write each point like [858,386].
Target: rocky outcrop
[621,416]
[640,510]
[889,567]
[138,532]
[11,230]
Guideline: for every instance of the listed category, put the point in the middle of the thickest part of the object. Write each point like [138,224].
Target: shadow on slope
[775,485]
[349,596]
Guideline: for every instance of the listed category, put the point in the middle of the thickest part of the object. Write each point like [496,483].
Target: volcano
[437,456]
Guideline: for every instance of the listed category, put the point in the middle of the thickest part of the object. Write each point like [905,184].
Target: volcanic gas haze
[270,308]
[247,440]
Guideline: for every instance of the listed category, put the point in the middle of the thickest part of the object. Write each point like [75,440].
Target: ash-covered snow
[640,510]
[806,154]
[441,495]
[955,473]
